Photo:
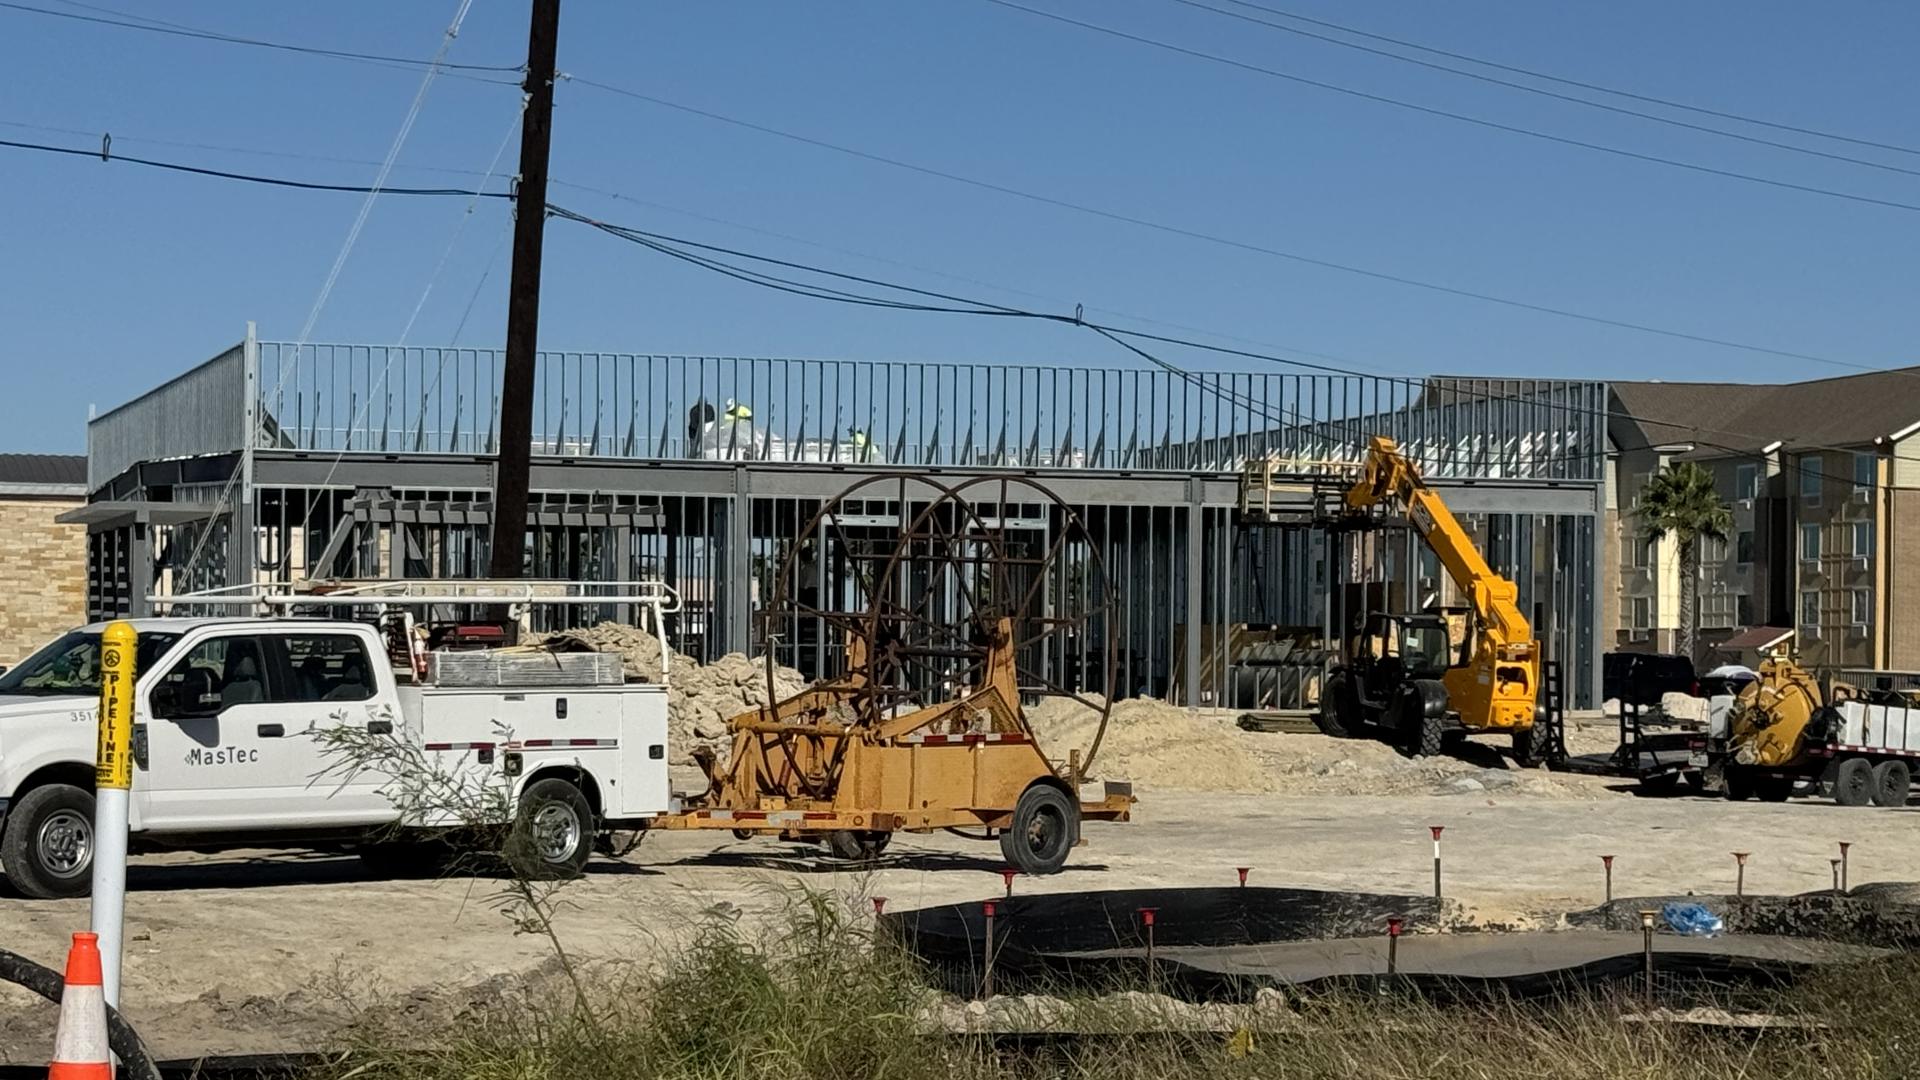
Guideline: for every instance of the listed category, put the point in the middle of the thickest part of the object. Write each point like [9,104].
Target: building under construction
[1175,508]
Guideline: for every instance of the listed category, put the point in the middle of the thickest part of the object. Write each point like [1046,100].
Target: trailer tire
[1892,783]
[1853,782]
[47,848]
[857,845]
[552,834]
[1046,826]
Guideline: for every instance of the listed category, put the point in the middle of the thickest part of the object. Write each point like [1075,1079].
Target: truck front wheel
[552,836]
[47,847]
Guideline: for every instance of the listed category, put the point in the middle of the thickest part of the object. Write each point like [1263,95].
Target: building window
[1810,542]
[1862,607]
[1743,547]
[1810,478]
[1810,611]
[1642,612]
[1865,468]
[1863,539]
[1743,609]
[1746,481]
[1642,545]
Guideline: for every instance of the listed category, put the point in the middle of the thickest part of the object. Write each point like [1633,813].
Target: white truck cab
[230,749]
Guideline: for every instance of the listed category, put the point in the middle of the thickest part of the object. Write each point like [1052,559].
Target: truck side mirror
[166,700]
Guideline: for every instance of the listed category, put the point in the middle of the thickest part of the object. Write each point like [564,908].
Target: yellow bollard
[112,779]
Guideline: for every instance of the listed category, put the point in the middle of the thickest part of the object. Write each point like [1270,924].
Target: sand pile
[1154,744]
[701,698]
[1167,747]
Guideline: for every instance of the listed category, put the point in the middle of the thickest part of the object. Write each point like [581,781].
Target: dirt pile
[1169,747]
[1154,744]
[701,698]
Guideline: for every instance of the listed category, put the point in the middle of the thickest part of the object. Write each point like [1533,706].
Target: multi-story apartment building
[1824,481]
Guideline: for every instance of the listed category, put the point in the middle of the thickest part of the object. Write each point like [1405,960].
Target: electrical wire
[1557,96]
[1534,73]
[1227,241]
[339,263]
[156,26]
[690,251]
[1465,118]
[108,156]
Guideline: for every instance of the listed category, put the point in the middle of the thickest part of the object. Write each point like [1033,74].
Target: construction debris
[701,698]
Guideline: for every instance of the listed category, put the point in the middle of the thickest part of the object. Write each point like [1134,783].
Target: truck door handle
[270,731]
[379,727]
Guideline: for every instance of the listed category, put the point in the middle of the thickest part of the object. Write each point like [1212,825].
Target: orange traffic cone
[80,1043]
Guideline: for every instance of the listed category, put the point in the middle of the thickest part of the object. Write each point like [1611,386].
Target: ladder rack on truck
[295,730]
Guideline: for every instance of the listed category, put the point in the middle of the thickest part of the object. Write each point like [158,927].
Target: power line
[1464,118]
[155,26]
[99,134]
[1557,96]
[1215,238]
[250,178]
[1534,73]
[691,251]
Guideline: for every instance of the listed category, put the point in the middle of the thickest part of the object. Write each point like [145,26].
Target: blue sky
[113,278]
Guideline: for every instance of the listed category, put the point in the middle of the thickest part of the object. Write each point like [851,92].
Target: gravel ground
[260,951]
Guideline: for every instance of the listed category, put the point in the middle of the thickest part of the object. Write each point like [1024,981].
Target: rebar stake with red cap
[1008,875]
[1146,920]
[1844,845]
[986,958]
[879,906]
[1607,862]
[1394,925]
[1740,873]
[1243,871]
[1437,829]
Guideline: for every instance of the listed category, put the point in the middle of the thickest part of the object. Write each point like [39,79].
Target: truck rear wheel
[552,836]
[47,848]
[1853,782]
[1046,825]
[1892,782]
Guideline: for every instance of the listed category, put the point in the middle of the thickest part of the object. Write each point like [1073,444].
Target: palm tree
[1683,503]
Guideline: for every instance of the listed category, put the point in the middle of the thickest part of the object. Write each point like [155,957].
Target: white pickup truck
[229,750]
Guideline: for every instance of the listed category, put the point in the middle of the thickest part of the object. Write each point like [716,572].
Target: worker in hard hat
[861,445]
[737,411]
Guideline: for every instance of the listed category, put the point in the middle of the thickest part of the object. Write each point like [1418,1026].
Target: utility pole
[523,300]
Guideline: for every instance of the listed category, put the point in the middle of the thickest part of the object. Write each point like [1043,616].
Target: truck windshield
[70,665]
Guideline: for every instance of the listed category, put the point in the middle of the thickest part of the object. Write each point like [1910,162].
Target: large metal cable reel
[933,585]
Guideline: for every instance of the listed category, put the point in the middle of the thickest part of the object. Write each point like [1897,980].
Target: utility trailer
[1656,751]
[957,612]
[1787,735]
